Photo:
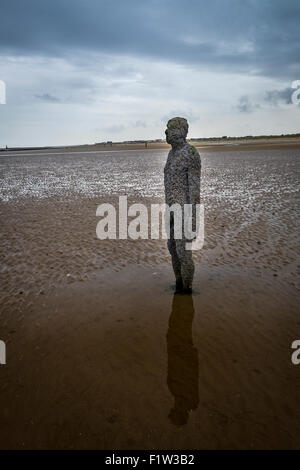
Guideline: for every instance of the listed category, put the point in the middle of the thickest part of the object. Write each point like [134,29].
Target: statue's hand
[190,228]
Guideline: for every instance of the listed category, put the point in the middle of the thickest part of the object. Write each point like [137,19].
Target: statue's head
[176,132]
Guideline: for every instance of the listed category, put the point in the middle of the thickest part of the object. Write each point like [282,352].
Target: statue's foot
[186,290]
[179,285]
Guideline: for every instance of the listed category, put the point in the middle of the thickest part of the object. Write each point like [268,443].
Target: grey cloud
[276,97]
[254,36]
[271,97]
[245,105]
[48,98]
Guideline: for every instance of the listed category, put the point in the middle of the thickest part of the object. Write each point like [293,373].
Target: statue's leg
[175,259]
[186,264]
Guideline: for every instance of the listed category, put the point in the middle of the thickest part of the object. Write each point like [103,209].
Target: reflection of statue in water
[182,186]
[183,365]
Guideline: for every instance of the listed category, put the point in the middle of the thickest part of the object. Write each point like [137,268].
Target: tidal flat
[101,353]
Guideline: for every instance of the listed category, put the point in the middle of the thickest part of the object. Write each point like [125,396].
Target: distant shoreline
[206,145]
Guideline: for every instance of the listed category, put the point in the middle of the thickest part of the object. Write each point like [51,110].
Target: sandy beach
[218,145]
[100,351]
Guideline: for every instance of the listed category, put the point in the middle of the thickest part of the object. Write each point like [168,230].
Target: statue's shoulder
[193,157]
[192,151]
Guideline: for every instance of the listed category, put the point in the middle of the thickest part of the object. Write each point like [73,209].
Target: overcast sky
[85,71]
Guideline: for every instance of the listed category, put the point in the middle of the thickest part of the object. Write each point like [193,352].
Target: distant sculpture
[182,186]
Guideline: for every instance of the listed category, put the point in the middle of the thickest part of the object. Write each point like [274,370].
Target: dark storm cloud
[254,36]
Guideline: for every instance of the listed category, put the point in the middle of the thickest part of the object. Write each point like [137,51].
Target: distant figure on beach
[182,186]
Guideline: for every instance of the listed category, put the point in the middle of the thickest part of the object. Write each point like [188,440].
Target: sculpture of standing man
[182,186]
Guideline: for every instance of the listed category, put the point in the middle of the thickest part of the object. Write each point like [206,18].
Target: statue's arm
[194,176]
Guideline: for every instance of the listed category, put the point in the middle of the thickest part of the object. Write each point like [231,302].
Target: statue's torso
[176,175]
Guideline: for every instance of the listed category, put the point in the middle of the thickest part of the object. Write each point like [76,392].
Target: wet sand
[102,354]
